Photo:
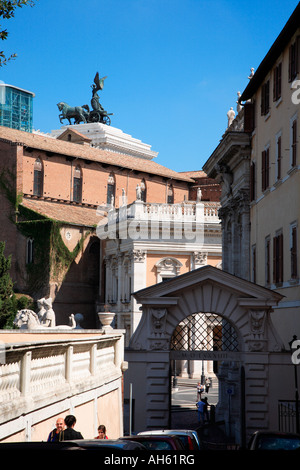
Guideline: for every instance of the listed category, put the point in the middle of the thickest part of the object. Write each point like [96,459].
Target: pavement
[184,414]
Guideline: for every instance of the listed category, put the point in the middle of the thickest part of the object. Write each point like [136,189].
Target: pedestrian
[200,390]
[207,385]
[200,406]
[70,433]
[101,432]
[54,435]
[205,409]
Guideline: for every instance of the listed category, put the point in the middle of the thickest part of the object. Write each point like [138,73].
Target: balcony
[200,212]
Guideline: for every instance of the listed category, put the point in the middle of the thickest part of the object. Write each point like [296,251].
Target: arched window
[38,178]
[167,268]
[143,191]
[77,185]
[111,189]
[170,194]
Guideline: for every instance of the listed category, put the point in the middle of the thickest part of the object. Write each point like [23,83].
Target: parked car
[36,446]
[268,440]
[107,444]
[80,444]
[159,442]
[188,437]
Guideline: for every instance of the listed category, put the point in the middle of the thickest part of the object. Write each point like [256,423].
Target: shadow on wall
[78,292]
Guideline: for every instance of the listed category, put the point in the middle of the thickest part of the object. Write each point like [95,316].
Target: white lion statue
[45,318]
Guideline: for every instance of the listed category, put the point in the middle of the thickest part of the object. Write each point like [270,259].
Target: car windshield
[278,443]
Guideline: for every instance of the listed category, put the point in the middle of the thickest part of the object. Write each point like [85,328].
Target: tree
[7,11]
[7,298]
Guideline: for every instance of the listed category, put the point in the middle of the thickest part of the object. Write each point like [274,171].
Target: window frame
[294,53]
[293,141]
[265,98]
[277,79]
[252,181]
[265,169]
[293,250]
[268,260]
[111,189]
[38,178]
[278,150]
[278,258]
[77,185]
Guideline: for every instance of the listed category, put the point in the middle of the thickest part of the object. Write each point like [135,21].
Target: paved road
[184,397]
[185,394]
[184,414]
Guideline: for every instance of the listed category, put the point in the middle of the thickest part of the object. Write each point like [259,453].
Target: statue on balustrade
[44,319]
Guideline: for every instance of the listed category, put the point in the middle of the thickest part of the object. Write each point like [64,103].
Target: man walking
[200,406]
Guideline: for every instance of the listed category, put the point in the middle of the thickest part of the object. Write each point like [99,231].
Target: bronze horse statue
[78,113]
[83,113]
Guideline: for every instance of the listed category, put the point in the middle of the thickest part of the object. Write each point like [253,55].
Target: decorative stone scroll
[138,256]
[199,258]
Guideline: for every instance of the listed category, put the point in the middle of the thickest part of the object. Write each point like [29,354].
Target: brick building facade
[53,192]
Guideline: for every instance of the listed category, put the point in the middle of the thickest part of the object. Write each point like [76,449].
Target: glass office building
[16,107]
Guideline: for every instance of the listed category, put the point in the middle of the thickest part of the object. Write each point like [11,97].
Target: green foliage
[7,299]
[52,258]
[7,11]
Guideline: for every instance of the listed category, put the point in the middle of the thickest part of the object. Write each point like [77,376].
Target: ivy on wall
[52,258]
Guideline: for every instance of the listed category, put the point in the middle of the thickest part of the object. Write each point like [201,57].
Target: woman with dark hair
[70,433]
[101,432]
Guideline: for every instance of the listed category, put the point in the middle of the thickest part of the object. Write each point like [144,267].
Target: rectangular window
[252,181]
[249,117]
[267,261]
[277,83]
[278,156]
[278,258]
[294,260]
[265,98]
[110,193]
[294,143]
[294,52]
[38,183]
[265,169]
[77,190]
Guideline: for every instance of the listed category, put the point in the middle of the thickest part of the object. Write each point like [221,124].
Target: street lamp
[175,375]
[202,373]
[291,343]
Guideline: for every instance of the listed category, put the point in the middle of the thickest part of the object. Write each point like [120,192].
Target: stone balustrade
[200,212]
[38,370]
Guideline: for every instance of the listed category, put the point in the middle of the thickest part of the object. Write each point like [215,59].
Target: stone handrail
[35,372]
[186,211]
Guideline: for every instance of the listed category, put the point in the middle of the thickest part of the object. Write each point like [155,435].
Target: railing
[287,415]
[205,212]
[37,372]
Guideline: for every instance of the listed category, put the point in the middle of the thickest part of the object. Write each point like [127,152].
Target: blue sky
[173,67]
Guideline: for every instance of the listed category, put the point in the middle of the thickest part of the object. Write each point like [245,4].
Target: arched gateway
[249,346]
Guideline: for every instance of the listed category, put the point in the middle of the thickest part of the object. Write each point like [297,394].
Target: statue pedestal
[110,138]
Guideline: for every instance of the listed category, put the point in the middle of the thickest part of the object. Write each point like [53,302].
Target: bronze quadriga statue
[83,113]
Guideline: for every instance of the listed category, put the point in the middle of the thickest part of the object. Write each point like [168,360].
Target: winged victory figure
[97,85]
